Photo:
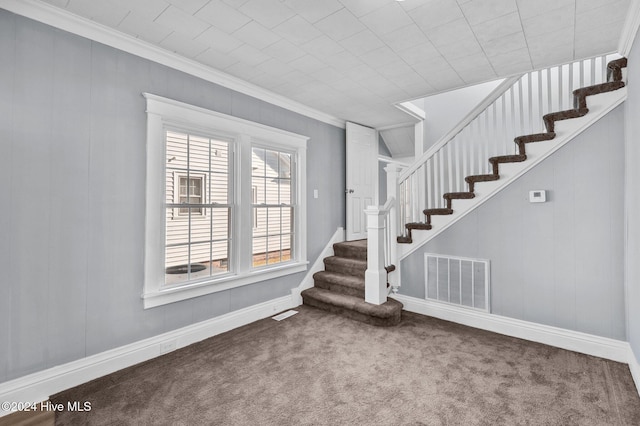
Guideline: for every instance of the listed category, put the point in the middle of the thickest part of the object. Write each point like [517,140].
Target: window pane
[258,184]
[285,165]
[219,157]
[220,257]
[177,228]
[218,184]
[274,226]
[220,219]
[274,250]
[176,150]
[272,163]
[259,251]
[285,191]
[260,229]
[258,162]
[198,154]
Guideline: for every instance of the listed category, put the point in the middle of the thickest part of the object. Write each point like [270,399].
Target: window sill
[176,294]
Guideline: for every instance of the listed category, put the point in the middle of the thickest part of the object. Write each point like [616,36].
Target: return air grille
[457,281]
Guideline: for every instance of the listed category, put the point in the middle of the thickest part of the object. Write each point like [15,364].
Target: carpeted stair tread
[351,249]
[344,265]
[387,314]
[340,283]
[614,82]
[437,211]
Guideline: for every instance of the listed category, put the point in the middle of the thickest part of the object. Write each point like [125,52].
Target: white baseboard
[634,367]
[615,350]
[318,265]
[39,386]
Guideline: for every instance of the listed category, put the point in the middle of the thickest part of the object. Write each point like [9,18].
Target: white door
[362,177]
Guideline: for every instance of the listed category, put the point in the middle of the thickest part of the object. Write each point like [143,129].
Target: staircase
[467,200]
[340,287]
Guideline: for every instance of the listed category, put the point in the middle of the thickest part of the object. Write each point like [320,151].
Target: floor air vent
[457,281]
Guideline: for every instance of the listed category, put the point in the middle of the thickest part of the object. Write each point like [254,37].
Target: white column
[393,171]
[375,277]
[418,139]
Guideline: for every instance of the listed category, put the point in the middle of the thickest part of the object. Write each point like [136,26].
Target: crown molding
[66,21]
[630,28]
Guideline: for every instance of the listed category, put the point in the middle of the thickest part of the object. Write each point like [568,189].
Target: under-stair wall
[558,263]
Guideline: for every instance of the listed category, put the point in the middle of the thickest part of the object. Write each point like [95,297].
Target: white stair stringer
[599,105]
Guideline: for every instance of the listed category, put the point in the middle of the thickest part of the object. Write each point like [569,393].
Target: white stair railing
[514,108]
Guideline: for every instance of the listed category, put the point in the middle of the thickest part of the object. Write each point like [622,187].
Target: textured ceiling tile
[394,69]
[445,80]
[496,28]
[597,41]
[361,72]
[100,12]
[542,43]
[219,40]
[275,67]
[549,22]
[598,17]
[505,44]
[243,71]
[473,68]
[143,28]
[297,31]
[322,46]
[268,81]
[436,13]
[380,56]
[235,3]
[182,22]
[215,59]
[556,54]
[449,33]
[249,55]
[362,42]
[256,35]
[404,38]
[58,3]
[183,45]
[340,25]
[269,13]
[189,6]
[583,6]
[419,53]
[478,11]
[433,66]
[284,50]
[529,9]
[149,9]
[461,48]
[328,75]
[343,60]
[313,10]
[222,16]
[362,7]
[386,19]
[513,62]
[307,64]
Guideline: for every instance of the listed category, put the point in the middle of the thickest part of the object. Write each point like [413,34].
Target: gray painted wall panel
[556,263]
[29,231]
[82,270]
[7,44]
[68,203]
[632,197]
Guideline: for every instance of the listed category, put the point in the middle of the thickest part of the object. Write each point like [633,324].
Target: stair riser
[337,288]
[345,269]
[381,322]
[350,252]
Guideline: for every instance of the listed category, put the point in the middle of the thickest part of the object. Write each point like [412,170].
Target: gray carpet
[317,368]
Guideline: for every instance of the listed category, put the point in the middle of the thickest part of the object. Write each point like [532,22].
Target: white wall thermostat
[538,196]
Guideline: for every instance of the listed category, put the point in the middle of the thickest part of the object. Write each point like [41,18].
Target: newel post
[375,277]
[393,172]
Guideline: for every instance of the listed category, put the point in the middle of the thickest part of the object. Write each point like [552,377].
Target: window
[225,202]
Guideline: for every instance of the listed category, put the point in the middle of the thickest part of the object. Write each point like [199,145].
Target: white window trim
[163,113]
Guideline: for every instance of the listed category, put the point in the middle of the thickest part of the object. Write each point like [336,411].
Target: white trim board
[66,21]
[615,350]
[634,367]
[630,28]
[40,386]
[318,265]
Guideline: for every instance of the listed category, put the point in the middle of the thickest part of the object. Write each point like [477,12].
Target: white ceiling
[354,59]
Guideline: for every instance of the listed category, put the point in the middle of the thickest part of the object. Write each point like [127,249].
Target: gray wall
[72,164]
[633,199]
[558,263]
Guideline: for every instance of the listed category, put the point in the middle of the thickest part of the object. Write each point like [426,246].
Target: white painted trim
[59,18]
[615,350]
[318,265]
[634,367]
[40,386]
[630,28]
[163,112]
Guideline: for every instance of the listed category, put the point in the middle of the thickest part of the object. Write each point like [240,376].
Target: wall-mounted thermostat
[538,196]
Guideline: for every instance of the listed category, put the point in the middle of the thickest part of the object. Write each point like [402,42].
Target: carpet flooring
[317,368]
